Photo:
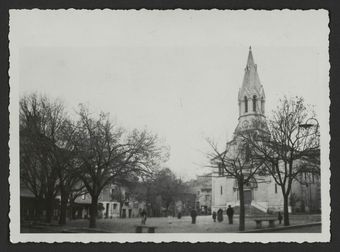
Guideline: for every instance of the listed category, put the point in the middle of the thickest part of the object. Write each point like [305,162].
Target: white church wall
[213,193]
[231,197]
[219,191]
[261,192]
[275,198]
[232,200]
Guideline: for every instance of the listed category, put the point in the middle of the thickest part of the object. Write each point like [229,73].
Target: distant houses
[108,205]
[201,187]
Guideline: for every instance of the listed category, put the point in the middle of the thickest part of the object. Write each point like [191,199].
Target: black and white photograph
[173,125]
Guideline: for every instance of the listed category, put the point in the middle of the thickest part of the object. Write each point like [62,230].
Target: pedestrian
[143,215]
[169,217]
[220,215]
[230,213]
[214,216]
[193,214]
[279,217]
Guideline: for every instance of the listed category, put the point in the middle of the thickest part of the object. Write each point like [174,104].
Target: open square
[148,125]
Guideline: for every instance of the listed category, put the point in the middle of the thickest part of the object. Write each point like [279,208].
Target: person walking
[214,216]
[220,215]
[193,214]
[169,217]
[230,213]
[279,217]
[143,215]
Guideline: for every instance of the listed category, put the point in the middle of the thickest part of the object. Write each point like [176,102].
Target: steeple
[250,61]
[251,95]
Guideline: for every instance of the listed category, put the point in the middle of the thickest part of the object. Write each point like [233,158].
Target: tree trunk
[63,208]
[285,209]
[93,211]
[39,206]
[120,209]
[72,199]
[49,209]
[242,210]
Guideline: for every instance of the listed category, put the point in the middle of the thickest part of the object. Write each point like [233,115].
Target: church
[263,194]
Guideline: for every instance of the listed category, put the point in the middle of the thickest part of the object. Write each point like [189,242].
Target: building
[32,208]
[306,194]
[201,188]
[114,201]
[107,206]
[262,193]
[131,207]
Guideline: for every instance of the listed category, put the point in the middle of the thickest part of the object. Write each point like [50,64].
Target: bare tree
[65,163]
[41,124]
[236,161]
[289,149]
[107,154]
[70,183]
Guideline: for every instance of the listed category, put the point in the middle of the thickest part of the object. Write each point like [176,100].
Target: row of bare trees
[282,147]
[72,157]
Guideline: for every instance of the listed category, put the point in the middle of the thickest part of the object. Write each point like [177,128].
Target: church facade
[263,194]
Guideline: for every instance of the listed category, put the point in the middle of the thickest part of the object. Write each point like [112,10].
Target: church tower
[251,97]
[257,196]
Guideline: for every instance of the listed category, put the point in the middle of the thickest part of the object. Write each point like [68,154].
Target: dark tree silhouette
[41,125]
[108,154]
[167,186]
[289,149]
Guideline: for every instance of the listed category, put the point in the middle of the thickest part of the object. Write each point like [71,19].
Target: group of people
[219,215]
[193,214]
[230,214]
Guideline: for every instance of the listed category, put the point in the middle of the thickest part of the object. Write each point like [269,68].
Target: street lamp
[308,125]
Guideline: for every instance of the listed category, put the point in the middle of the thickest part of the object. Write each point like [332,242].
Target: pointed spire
[251,82]
[250,61]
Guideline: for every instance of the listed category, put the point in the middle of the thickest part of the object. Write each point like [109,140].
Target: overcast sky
[176,73]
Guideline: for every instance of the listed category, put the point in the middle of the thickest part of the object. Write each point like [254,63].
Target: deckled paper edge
[17,237]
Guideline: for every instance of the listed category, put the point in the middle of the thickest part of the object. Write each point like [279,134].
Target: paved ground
[204,224]
[312,229]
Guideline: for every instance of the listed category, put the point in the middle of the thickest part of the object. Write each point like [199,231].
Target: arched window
[254,103]
[262,105]
[245,104]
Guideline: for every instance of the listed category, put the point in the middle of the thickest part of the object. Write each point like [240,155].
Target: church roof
[251,82]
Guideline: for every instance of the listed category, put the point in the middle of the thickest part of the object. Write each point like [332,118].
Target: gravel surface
[204,224]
